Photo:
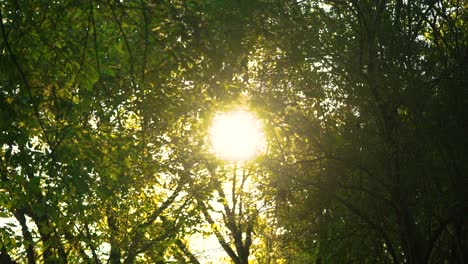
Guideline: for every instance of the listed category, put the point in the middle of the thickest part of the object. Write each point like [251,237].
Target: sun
[236,136]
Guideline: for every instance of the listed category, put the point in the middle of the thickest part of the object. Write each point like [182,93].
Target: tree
[358,158]
[239,206]
[92,96]
[104,108]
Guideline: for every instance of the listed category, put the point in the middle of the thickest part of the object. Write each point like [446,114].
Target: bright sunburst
[236,135]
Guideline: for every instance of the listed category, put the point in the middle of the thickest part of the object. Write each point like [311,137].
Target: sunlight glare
[236,136]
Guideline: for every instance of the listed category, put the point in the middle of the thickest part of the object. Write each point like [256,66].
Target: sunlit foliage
[105,109]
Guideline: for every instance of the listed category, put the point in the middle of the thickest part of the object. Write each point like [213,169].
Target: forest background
[105,108]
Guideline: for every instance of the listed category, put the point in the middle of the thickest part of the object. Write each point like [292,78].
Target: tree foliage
[368,125]
[104,108]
